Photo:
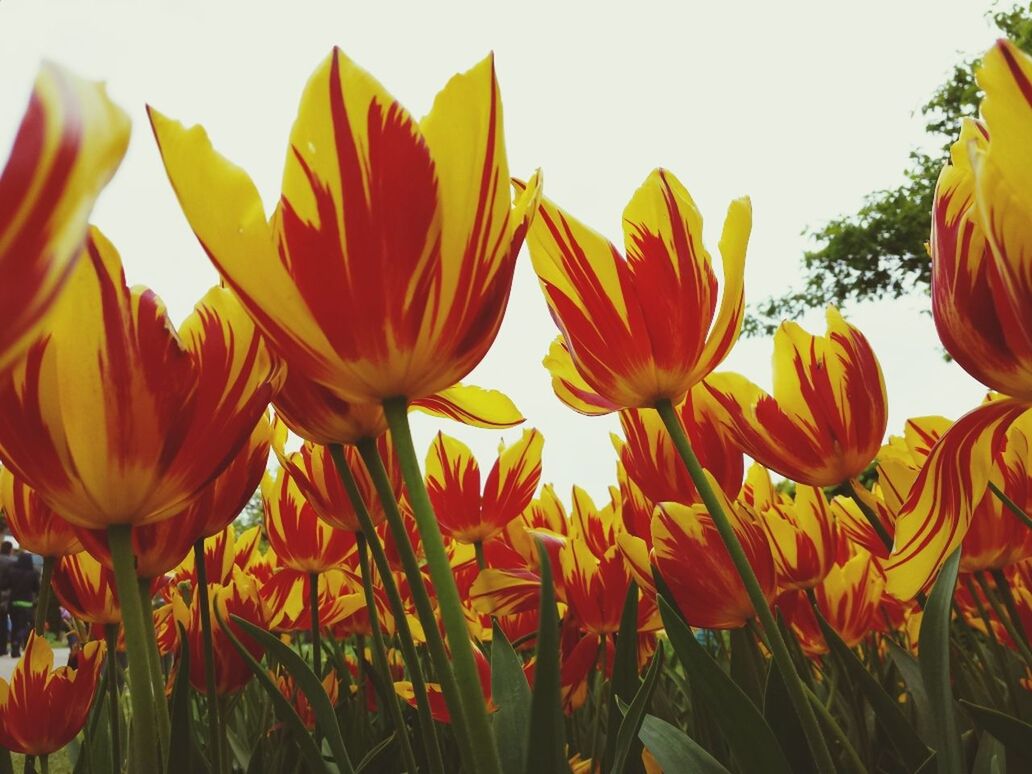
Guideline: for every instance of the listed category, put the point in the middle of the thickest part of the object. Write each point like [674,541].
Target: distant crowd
[19,589]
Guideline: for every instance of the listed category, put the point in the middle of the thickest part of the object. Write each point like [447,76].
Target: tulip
[289,690]
[35,525]
[800,532]
[696,567]
[287,593]
[42,709]
[980,294]
[239,597]
[595,588]
[616,313]
[86,589]
[301,539]
[827,416]
[650,459]
[68,145]
[453,481]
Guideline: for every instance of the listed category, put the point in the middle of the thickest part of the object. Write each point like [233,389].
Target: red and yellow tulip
[378,213]
[69,144]
[642,326]
[32,521]
[43,708]
[115,418]
[826,419]
[86,589]
[464,512]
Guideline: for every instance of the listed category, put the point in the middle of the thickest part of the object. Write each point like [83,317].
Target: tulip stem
[44,764]
[478,551]
[1003,586]
[111,635]
[154,661]
[871,516]
[471,697]
[43,602]
[211,698]
[1003,617]
[313,609]
[1011,506]
[146,753]
[779,650]
[380,655]
[439,656]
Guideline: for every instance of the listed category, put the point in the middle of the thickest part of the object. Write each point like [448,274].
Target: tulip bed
[866,609]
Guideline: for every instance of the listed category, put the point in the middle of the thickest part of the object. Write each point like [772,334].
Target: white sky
[806,107]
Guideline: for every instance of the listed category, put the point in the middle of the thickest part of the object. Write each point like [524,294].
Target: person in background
[23,583]
[6,561]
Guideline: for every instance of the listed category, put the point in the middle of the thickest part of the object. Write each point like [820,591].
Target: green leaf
[376,752]
[752,742]
[180,740]
[310,685]
[284,710]
[634,715]
[546,749]
[675,751]
[1016,735]
[887,711]
[991,757]
[747,664]
[511,694]
[625,682]
[935,667]
[781,716]
[910,670]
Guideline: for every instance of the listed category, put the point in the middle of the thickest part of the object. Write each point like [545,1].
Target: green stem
[111,635]
[478,551]
[424,609]
[141,693]
[1003,618]
[779,650]
[871,516]
[313,609]
[485,753]
[43,603]
[154,662]
[1001,658]
[44,764]
[211,693]
[832,725]
[600,685]
[1011,506]
[401,625]
[1003,586]
[380,655]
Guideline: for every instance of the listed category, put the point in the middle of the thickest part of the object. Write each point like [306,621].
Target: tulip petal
[513,479]
[71,140]
[453,483]
[471,405]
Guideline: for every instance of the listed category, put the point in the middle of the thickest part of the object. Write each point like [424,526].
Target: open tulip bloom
[769,584]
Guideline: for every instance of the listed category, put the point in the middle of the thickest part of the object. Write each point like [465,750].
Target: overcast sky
[806,107]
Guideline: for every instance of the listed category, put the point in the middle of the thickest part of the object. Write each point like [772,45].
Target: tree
[879,252]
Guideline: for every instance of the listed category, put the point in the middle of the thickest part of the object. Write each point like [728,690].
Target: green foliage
[879,252]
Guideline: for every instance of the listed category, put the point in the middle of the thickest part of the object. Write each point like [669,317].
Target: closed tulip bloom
[69,144]
[800,531]
[827,416]
[464,511]
[289,690]
[86,589]
[295,532]
[643,326]
[114,417]
[850,596]
[595,587]
[697,568]
[35,525]
[387,266]
[650,459]
[42,708]
[222,552]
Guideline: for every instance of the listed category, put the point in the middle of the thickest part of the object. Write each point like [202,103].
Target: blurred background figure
[22,582]
[6,561]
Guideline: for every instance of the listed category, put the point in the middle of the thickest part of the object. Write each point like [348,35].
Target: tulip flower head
[70,142]
[644,326]
[827,416]
[86,589]
[35,525]
[43,708]
[463,511]
[114,417]
[386,268]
